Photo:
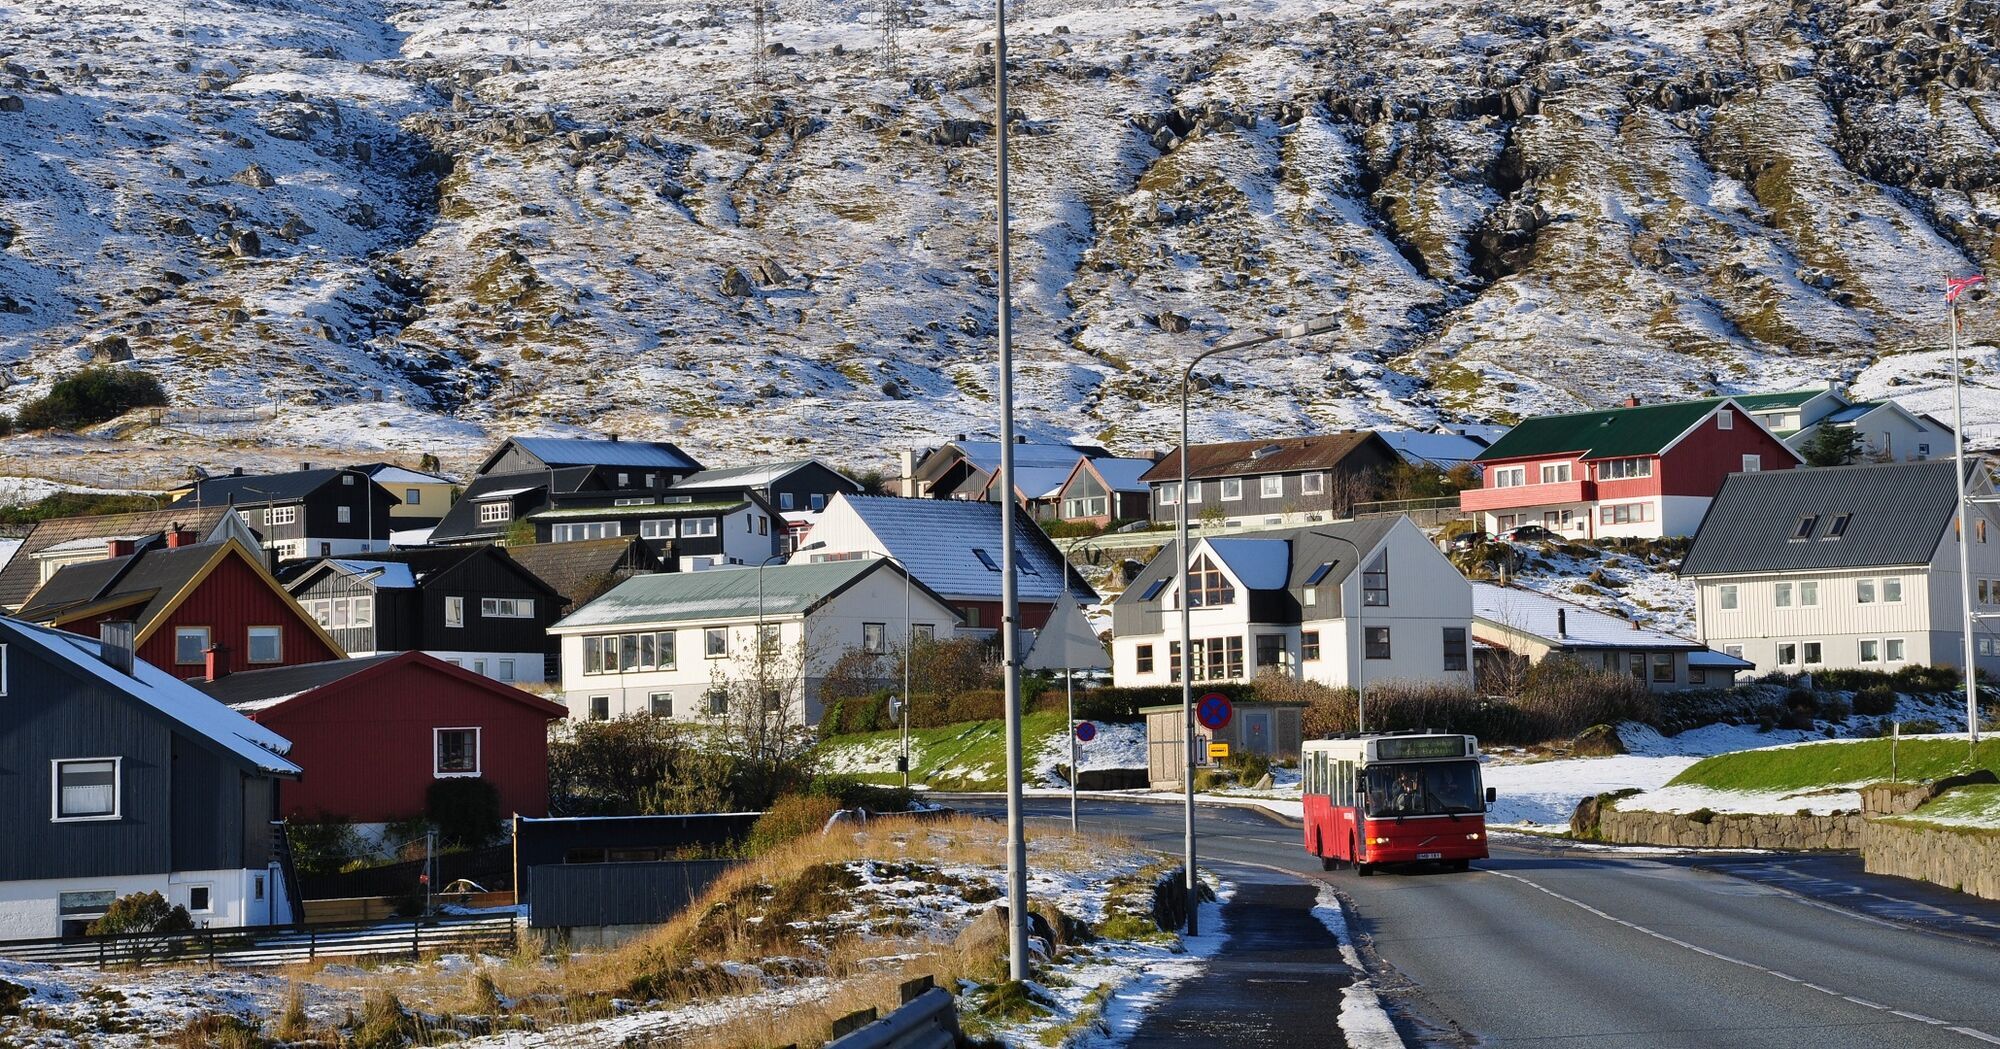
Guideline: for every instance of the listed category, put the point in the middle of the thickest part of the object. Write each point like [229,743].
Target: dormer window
[1838,527]
[1207,586]
[1804,529]
[494,512]
[985,559]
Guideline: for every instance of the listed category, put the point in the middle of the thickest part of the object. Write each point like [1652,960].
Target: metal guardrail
[271,945]
[1384,507]
[928,1019]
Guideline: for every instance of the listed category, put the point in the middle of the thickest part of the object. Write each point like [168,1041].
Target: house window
[507,607]
[457,752]
[1377,646]
[1454,648]
[361,611]
[1725,596]
[257,884]
[1619,469]
[1809,594]
[1752,463]
[1733,650]
[1725,420]
[1892,590]
[1375,582]
[1781,595]
[1981,529]
[715,641]
[1810,650]
[1636,661]
[343,514]
[1312,484]
[624,480]
[1309,645]
[413,497]
[1893,649]
[718,701]
[1839,526]
[1219,658]
[1804,529]
[1232,489]
[1194,492]
[506,672]
[494,512]
[1143,658]
[1271,487]
[1170,494]
[645,500]
[87,789]
[1626,513]
[600,708]
[347,479]
[657,529]
[1663,668]
[698,528]
[200,899]
[1270,650]
[1555,473]
[818,502]
[1871,652]
[1864,591]
[1509,476]
[578,533]
[1173,661]
[1311,597]
[281,515]
[874,637]
[660,704]
[1207,585]
[787,501]
[1788,654]
[763,525]
[924,631]
[267,644]
[189,644]
[454,611]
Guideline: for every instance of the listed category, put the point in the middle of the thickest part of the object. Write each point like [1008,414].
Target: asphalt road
[1542,946]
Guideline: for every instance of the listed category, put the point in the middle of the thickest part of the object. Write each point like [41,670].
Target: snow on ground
[1140,993]
[1649,594]
[1117,746]
[1363,1021]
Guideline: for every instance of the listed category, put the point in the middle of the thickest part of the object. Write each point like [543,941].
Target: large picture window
[87,789]
[190,642]
[1207,586]
[628,653]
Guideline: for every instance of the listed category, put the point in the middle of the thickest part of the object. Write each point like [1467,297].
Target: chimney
[218,662]
[120,547]
[178,537]
[1020,438]
[305,466]
[1631,400]
[115,637]
[614,438]
[1562,622]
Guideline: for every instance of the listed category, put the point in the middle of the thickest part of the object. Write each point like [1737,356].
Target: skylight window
[1153,591]
[1839,526]
[1319,573]
[1804,529]
[985,559]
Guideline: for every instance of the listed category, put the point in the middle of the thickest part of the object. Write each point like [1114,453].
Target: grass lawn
[1976,806]
[970,755]
[1837,763]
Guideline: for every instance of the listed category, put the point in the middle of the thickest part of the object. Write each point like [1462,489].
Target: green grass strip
[971,755]
[1838,763]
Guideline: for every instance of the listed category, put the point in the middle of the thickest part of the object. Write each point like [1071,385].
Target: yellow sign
[1218,751]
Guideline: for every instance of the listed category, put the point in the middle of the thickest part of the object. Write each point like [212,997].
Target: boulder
[768,273]
[111,349]
[735,284]
[244,244]
[1597,741]
[11,104]
[255,177]
[1172,323]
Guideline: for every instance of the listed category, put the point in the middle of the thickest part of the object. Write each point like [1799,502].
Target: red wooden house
[196,608]
[1641,471]
[373,734]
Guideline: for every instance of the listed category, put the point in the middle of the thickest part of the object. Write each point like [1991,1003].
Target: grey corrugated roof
[937,539]
[1900,513]
[723,593]
[19,577]
[250,686]
[1309,548]
[575,451]
[1527,612]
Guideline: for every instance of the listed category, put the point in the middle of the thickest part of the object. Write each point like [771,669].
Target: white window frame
[699,528]
[658,528]
[495,511]
[413,497]
[1752,463]
[880,644]
[207,639]
[281,515]
[1725,420]
[1556,473]
[708,634]
[343,514]
[1808,593]
[1864,591]
[1508,477]
[1227,483]
[250,645]
[507,608]
[1889,583]
[1312,484]
[1902,650]
[1193,491]
[204,887]
[653,705]
[454,611]
[1271,486]
[1726,597]
[1868,650]
[117,790]
[1781,595]
[437,754]
[1170,493]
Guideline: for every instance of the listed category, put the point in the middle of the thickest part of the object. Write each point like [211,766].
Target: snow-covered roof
[1041,482]
[953,546]
[1444,450]
[757,476]
[1527,612]
[505,493]
[385,473]
[1710,659]
[776,592]
[574,451]
[986,454]
[170,696]
[1123,474]
[1259,564]
[87,543]
[393,575]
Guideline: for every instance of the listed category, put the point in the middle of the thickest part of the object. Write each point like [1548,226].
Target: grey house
[1287,481]
[121,778]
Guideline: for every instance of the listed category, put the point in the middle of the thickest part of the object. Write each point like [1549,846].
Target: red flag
[1956,286]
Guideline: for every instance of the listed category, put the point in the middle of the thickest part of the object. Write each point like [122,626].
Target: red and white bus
[1395,798]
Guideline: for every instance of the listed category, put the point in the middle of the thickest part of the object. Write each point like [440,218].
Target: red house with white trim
[373,734]
[1638,471]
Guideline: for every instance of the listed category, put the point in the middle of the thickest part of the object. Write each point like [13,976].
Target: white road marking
[1663,937]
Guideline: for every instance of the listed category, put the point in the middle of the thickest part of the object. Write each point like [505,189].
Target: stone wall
[1718,831]
[1966,861]
[1893,799]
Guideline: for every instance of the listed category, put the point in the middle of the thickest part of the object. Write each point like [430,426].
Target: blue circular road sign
[1214,711]
[1086,731]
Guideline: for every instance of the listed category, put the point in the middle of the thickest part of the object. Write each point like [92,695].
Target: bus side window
[1347,782]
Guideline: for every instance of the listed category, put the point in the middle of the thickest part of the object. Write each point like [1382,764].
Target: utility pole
[892,18]
[757,17]
[1955,287]
[1010,595]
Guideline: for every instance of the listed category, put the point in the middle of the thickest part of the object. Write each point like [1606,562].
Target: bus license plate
[1430,855]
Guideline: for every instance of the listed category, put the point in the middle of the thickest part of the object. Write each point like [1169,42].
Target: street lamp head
[1316,326]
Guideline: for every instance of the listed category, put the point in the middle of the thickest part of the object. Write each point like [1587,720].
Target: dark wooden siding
[229,602]
[804,483]
[208,809]
[490,574]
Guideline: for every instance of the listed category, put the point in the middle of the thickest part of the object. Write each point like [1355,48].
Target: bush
[651,766]
[1875,701]
[325,847]
[466,810]
[1568,697]
[854,793]
[789,818]
[1249,768]
[141,912]
[91,396]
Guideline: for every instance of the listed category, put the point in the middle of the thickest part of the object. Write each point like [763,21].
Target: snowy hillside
[506,214]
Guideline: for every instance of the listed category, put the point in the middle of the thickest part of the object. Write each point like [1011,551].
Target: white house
[1513,628]
[674,645]
[1293,601]
[1848,566]
[1886,429]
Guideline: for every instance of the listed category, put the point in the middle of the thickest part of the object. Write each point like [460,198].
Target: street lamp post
[1954,288]
[759,633]
[909,643]
[1311,327]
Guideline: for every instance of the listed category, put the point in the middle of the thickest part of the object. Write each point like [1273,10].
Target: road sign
[1086,731]
[1218,751]
[1214,711]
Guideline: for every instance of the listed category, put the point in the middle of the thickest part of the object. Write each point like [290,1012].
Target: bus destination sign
[1404,748]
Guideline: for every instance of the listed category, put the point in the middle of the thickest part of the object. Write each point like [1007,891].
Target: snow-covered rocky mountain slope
[504,215]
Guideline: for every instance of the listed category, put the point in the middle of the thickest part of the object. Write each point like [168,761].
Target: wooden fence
[274,945]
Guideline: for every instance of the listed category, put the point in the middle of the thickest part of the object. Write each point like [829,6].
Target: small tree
[92,396]
[1832,446]
[141,912]
[520,533]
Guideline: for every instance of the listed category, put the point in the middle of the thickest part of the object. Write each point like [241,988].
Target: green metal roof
[648,510]
[1764,402]
[1603,434]
[719,593]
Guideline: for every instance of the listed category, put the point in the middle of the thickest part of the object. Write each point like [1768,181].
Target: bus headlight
[1378,841]
[1474,836]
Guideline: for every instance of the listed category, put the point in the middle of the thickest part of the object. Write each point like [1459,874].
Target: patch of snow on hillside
[1117,746]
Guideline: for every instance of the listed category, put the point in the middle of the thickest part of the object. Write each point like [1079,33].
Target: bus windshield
[1430,788]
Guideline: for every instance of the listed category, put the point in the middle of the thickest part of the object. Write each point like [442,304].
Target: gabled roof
[386,473]
[225,729]
[1259,564]
[1442,450]
[259,690]
[150,584]
[461,521]
[985,455]
[263,489]
[1120,475]
[580,451]
[1271,456]
[577,569]
[606,512]
[729,593]
[1033,482]
[757,476]
[1307,549]
[405,569]
[1509,608]
[941,541]
[1608,433]
[21,573]
[1897,513]
[1767,402]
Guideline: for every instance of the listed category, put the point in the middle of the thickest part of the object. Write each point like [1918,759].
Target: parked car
[1528,533]
[1466,540]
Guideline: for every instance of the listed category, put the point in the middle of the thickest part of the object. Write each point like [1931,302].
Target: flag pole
[1955,287]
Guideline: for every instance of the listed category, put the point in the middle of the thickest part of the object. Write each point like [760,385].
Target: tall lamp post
[759,635]
[1295,331]
[1954,288]
[1358,632]
[909,642]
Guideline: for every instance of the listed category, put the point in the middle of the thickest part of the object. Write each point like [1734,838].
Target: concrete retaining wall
[1842,832]
[1966,861]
